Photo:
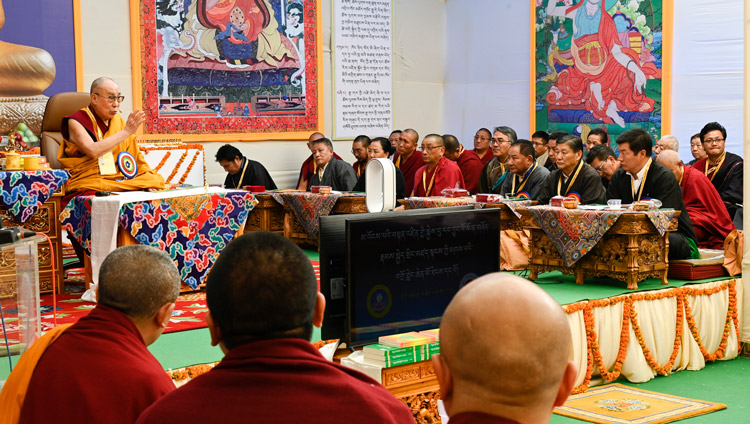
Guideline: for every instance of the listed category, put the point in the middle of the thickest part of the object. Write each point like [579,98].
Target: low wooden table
[295,232]
[268,215]
[631,251]
[508,219]
[44,220]
[416,386]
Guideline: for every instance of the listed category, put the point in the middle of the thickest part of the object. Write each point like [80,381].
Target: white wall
[464,64]
[418,77]
[487,67]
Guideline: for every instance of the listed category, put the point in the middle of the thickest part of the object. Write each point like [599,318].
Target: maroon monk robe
[486,158]
[446,174]
[471,168]
[706,209]
[98,371]
[308,169]
[279,381]
[359,168]
[409,167]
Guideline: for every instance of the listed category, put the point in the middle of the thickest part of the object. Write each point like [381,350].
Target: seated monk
[263,302]
[25,71]
[95,138]
[99,369]
[308,166]
[407,158]
[482,145]
[359,150]
[710,219]
[467,160]
[536,376]
[439,172]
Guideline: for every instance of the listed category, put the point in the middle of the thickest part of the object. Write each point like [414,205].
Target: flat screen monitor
[402,271]
[333,273]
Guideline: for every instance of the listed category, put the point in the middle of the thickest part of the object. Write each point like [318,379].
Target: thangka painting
[598,64]
[247,68]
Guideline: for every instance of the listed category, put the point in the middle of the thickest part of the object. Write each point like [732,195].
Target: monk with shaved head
[710,219]
[504,356]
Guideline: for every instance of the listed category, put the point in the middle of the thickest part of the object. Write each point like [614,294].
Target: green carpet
[721,381]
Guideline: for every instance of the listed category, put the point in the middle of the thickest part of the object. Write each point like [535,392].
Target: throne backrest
[58,106]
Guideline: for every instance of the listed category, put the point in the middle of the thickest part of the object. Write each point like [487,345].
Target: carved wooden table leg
[579,275]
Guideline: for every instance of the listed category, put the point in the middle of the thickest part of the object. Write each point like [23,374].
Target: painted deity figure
[605,77]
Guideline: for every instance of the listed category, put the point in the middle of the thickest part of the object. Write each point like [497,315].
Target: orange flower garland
[667,368]
[163,161]
[190,167]
[593,353]
[177,167]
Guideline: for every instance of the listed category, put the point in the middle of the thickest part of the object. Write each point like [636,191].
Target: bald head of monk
[671,160]
[505,346]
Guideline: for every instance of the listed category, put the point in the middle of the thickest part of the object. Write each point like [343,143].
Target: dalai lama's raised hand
[135,120]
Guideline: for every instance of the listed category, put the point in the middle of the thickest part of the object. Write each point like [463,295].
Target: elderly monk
[393,138]
[504,353]
[379,148]
[308,166]
[573,177]
[482,140]
[263,302]
[640,178]
[704,205]
[332,172]
[242,171]
[97,144]
[528,177]
[99,370]
[495,171]
[407,158]
[467,160]
[724,169]
[439,172]
[603,159]
[667,142]
[359,150]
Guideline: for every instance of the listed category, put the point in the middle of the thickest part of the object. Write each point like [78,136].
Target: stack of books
[402,349]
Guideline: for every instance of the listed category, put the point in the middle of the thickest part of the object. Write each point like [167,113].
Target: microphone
[13,234]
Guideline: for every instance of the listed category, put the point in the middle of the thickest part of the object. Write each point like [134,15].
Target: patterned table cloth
[575,232]
[441,202]
[192,229]
[309,207]
[24,192]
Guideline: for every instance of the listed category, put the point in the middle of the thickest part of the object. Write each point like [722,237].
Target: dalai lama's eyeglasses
[112,99]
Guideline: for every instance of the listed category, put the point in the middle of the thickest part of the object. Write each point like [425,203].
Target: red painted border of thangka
[196,129]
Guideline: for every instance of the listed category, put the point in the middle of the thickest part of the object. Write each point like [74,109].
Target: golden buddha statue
[25,72]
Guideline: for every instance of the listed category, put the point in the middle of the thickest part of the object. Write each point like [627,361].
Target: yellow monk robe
[14,390]
[84,171]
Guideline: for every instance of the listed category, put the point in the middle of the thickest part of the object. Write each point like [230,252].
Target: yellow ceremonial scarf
[14,390]
[84,171]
